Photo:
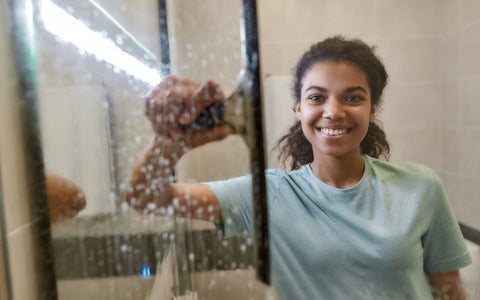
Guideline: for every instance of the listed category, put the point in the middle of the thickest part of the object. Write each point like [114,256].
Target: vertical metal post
[252,65]
[164,42]
[22,14]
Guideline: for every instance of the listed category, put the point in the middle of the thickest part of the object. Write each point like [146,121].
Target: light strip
[65,26]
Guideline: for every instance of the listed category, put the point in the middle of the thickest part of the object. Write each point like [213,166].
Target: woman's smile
[333,131]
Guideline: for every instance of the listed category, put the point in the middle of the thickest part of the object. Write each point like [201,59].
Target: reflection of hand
[65,199]
[176,102]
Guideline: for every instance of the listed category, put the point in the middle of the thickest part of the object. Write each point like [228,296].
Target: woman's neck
[339,172]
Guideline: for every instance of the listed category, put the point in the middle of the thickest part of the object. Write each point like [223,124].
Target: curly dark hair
[294,145]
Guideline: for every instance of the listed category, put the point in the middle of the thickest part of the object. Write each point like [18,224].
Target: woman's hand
[175,103]
[65,199]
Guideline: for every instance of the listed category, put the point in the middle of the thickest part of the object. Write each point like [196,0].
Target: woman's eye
[354,98]
[315,98]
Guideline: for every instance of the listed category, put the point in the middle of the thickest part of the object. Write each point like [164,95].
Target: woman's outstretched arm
[173,104]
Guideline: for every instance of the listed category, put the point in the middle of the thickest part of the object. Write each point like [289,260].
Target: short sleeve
[235,199]
[444,246]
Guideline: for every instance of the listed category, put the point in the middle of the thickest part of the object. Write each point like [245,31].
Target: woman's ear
[372,114]
[297,111]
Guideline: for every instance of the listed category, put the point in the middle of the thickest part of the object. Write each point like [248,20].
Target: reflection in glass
[96,63]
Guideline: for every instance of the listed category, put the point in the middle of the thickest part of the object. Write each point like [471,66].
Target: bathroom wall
[461,108]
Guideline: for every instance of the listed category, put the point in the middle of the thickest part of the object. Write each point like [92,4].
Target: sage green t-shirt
[372,241]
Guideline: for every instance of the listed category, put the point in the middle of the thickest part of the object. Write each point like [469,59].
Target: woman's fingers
[175,103]
[203,96]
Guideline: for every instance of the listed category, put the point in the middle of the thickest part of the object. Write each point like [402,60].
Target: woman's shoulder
[284,174]
[413,170]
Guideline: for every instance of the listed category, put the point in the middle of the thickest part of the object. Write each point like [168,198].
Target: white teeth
[330,131]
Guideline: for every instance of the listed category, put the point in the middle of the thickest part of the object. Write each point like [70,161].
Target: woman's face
[335,108]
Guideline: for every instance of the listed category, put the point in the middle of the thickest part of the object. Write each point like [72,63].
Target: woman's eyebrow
[355,88]
[316,87]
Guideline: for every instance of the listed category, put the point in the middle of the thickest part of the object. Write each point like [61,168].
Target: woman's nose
[333,110]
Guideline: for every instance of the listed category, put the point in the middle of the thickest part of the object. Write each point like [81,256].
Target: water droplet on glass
[124,248]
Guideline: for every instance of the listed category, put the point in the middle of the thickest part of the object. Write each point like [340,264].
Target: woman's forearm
[150,185]
[446,285]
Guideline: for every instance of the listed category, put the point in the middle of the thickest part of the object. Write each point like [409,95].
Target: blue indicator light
[146,272]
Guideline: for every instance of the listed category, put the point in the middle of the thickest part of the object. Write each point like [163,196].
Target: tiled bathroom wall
[461,119]
[430,49]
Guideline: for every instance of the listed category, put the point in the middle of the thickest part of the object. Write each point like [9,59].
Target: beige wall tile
[274,60]
[463,194]
[471,105]
[309,20]
[449,56]
[451,98]
[278,114]
[25,271]
[405,19]
[294,51]
[470,154]
[452,145]
[470,47]
[448,15]
[412,106]
[272,21]
[470,11]
[410,60]
[420,145]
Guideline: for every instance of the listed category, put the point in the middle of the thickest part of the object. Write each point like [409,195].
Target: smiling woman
[343,224]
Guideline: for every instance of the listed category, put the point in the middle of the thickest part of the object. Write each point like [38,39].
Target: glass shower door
[95,62]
